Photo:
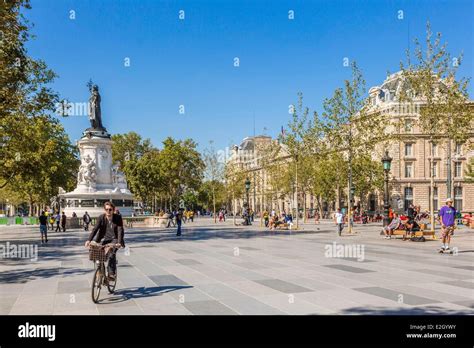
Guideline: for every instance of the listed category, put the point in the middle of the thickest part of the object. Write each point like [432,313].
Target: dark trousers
[112,262]
[112,258]
[44,232]
[86,226]
[179,228]
[58,229]
[64,227]
[340,227]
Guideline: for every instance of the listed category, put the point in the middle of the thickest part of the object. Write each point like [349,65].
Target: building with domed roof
[413,153]
[410,149]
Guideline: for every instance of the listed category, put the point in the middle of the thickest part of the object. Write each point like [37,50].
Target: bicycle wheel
[96,284]
[112,283]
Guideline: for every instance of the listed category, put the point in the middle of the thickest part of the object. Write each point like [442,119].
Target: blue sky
[190,62]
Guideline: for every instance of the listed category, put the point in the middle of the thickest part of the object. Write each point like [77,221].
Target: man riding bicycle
[108,230]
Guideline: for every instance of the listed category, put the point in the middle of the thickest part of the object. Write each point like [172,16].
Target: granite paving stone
[226,269]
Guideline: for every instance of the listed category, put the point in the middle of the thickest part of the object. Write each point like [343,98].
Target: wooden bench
[283,226]
[420,233]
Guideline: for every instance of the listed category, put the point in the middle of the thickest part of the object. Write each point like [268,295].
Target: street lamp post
[387,163]
[247,188]
[350,207]
[296,193]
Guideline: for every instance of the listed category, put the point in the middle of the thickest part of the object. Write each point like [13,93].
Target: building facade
[410,178]
[414,155]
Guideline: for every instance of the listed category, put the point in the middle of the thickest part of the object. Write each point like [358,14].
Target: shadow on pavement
[122,295]
[198,233]
[25,275]
[429,310]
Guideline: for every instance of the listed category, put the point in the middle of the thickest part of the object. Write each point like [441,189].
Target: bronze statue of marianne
[95,115]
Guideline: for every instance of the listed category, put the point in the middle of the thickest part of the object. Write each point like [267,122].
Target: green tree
[469,171]
[330,174]
[24,93]
[368,176]
[234,183]
[48,161]
[349,127]
[181,168]
[304,144]
[129,146]
[144,176]
[213,172]
[212,194]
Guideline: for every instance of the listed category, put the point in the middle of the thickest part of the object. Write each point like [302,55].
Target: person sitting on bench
[388,230]
[273,222]
[412,227]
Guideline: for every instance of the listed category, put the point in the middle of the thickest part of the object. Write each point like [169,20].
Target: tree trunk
[320,206]
[448,170]
[304,207]
[30,208]
[214,204]
[233,207]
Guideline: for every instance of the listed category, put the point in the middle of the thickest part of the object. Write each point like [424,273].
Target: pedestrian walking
[51,219]
[46,213]
[316,218]
[58,219]
[63,222]
[170,219]
[221,215]
[339,220]
[266,217]
[43,219]
[86,219]
[179,218]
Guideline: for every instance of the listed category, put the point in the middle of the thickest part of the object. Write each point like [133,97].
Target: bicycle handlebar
[93,243]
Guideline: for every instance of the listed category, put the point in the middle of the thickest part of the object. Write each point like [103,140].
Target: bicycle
[98,254]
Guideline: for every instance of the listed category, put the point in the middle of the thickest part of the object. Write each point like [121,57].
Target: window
[408,197]
[434,169]
[435,198]
[408,125]
[73,203]
[434,149]
[458,198]
[408,170]
[372,202]
[457,169]
[86,203]
[458,149]
[117,202]
[408,150]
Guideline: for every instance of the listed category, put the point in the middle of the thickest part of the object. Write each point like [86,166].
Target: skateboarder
[447,219]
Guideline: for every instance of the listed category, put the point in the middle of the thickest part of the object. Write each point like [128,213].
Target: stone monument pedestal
[98,180]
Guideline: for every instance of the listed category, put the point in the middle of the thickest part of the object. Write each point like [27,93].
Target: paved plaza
[226,269]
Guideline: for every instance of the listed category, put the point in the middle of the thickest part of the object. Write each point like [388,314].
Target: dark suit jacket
[101,227]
